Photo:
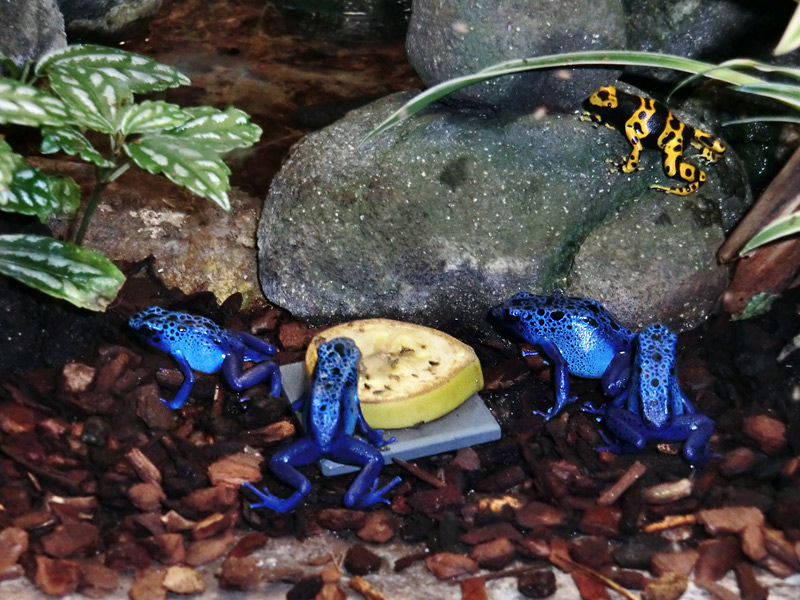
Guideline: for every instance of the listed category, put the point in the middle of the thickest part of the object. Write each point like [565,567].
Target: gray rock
[712,30]
[38,27]
[106,18]
[448,214]
[449,38]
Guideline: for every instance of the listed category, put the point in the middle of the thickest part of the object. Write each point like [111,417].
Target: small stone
[183,580]
[446,565]
[669,586]
[467,460]
[537,584]
[360,560]
[77,377]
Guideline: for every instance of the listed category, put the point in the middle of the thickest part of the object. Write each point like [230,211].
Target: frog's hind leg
[675,166]
[362,492]
[696,429]
[240,379]
[283,463]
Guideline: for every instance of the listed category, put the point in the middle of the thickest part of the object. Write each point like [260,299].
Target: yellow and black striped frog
[649,124]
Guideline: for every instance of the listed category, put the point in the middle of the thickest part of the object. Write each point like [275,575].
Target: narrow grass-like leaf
[791,37]
[601,58]
[221,131]
[770,119]
[10,67]
[779,228]
[74,143]
[77,275]
[150,117]
[138,73]
[25,105]
[189,163]
[785,92]
[31,192]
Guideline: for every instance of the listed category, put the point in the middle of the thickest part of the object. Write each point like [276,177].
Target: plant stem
[91,206]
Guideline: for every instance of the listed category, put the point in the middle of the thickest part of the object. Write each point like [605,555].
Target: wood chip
[446,565]
[613,493]
[57,577]
[183,580]
[143,466]
[147,585]
[768,433]
[589,587]
[665,493]
[474,588]
[236,469]
[363,587]
[730,519]
[669,586]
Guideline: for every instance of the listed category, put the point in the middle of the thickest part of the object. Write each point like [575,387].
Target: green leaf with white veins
[150,117]
[31,192]
[138,73]
[25,105]
[9,162]
[92,97]
[78,275]
[74,143]
[219,130]
[189,163]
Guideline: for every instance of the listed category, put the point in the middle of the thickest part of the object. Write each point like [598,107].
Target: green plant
[91,88]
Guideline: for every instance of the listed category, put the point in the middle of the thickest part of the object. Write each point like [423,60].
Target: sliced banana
[409,374]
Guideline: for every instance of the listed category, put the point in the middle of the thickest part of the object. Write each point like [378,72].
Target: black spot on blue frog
[653,407]
[199,344]
[331,412]
[578,335]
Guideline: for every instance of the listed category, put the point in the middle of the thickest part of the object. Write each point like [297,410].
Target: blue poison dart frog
[649,124]
[578,335]
[653,408]
[200,344]
[330,414]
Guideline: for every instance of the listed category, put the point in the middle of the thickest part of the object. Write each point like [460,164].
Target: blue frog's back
[333,409]
[586,334]
[202,342]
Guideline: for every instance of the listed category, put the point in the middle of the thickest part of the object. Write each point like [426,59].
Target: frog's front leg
[240,379]
[362,492]
[561,378]
[282,464]
[186,386]
[375,436]
[617,374]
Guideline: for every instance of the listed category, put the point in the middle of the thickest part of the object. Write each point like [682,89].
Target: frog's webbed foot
[596,411]
[375,437]
[371,497]
[559,406]
[268,500]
